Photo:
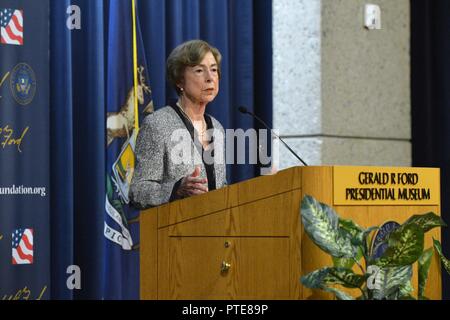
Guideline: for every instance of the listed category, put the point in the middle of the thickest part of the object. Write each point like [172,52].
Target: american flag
[11,22]
[22,246]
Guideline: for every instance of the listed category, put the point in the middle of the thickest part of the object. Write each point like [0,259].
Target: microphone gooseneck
[244,110]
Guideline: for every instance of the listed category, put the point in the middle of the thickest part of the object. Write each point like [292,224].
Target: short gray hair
[189,54]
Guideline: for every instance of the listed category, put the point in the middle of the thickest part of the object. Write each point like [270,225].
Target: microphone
[245,111]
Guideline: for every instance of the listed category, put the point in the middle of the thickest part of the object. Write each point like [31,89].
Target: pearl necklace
[202,133]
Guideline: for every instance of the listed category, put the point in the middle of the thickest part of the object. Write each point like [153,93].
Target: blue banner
[24,150]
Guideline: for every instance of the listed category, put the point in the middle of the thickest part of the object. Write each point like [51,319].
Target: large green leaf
[362,241]
[405,245]
[339,294]
[426,221]
[424,268]
[358,239]
[348,263]
[321,224]
[314,280]
[350,226]
[327,276]
[358,234]
[444,260]
[344,277]
[405,291]
[389,281]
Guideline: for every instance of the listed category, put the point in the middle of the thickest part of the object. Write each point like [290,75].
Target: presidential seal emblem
[23,84]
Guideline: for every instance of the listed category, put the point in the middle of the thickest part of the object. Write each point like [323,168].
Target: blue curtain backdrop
[240,29]
[77,148]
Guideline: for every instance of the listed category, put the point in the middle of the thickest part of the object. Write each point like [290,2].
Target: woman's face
[201,82]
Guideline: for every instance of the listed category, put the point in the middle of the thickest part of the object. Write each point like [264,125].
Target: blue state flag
[127,82]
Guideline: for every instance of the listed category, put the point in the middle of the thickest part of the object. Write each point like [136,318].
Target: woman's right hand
[191,185]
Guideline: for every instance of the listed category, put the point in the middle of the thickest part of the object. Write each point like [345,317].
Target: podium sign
[385,186]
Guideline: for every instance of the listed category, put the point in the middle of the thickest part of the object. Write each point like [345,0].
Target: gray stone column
[341,91]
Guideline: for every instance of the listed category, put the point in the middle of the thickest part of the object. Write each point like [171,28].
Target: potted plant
[386,273]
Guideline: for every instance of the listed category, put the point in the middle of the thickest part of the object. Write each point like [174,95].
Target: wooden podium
[246,241]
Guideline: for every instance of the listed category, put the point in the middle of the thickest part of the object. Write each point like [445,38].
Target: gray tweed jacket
[165,153]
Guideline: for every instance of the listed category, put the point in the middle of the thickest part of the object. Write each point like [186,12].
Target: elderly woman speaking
[180,148]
